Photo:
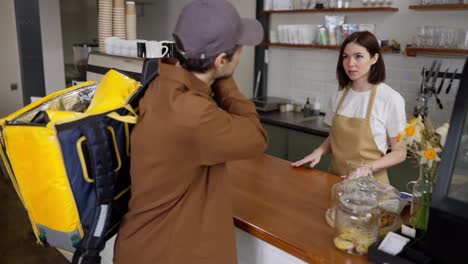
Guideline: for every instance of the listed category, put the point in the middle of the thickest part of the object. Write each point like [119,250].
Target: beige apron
[352,141]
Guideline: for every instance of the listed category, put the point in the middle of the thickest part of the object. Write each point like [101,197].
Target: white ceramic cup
[273,36]
[282,4]
[111,45]
[155,49]
[294,35]
[170,45]
[281,34]
[465,42]
[134,48]
[117,46]
[307,33]
[305,4]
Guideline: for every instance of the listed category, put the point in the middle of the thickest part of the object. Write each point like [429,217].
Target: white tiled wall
[299,73]
[160,19]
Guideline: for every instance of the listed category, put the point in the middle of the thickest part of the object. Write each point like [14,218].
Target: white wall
[152,23]
[299,73]
[293,73]
[160,19]
[79,23]
[10,100]
[52,50]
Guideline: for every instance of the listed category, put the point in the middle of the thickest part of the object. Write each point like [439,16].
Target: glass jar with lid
[356,223]
[361,180]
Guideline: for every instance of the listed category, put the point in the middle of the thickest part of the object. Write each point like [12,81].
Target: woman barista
[365,114]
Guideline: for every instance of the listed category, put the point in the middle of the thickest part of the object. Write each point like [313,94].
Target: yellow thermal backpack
[68,158]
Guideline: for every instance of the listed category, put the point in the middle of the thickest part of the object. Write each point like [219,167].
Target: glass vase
[422,195]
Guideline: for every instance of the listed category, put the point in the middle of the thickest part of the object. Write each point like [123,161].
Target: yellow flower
[414,120]
[429,155]
[412,133]
[399,137]
[417,122]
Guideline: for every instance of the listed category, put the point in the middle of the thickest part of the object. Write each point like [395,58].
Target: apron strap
[342,99]
[371,102]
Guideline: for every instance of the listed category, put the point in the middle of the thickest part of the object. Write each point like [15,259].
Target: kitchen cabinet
[277,141]
[292,145]
[399,175]
[301,144]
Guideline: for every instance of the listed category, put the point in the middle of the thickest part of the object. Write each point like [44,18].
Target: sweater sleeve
[231,131]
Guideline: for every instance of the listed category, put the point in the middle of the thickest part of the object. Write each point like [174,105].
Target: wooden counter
[285,207]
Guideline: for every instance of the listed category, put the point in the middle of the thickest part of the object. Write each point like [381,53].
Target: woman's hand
[359,172]
[313,158]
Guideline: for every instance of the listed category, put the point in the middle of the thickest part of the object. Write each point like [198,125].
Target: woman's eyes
[357,56]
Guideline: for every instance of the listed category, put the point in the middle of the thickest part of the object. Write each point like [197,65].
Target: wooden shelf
[307,46]
[329,10]
[439,7]
[412,51]
[311,46]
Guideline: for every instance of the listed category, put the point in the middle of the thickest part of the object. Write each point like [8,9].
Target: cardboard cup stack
[116,18]
[104,22]
[118,27]
[131,20]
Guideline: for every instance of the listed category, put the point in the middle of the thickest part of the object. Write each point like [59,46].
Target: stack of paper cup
[131,20]
[104,22]
[118,28]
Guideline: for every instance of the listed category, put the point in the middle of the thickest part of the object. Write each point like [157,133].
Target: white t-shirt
[388,116]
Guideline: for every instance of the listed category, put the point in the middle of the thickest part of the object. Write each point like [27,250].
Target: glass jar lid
[366,185]
[358,202]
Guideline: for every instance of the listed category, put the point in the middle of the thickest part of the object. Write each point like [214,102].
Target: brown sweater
[180,211]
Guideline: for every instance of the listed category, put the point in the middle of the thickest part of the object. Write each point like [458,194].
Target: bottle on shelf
[316,107]
[307,108]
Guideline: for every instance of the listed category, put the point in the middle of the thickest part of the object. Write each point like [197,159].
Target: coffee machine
[137,68]
[80,58]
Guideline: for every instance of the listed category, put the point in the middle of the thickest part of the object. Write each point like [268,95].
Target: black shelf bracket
[260,67]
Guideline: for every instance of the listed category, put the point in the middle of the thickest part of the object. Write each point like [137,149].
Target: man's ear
[220,60]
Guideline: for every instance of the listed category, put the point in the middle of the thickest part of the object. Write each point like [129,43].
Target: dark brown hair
[368,41]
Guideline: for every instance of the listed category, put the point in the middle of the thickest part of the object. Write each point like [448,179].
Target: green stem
[422,215]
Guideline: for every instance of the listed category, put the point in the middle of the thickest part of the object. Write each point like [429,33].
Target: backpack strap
[97,140]
[138,95]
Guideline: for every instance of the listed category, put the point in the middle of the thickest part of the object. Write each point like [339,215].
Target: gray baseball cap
[207,28]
